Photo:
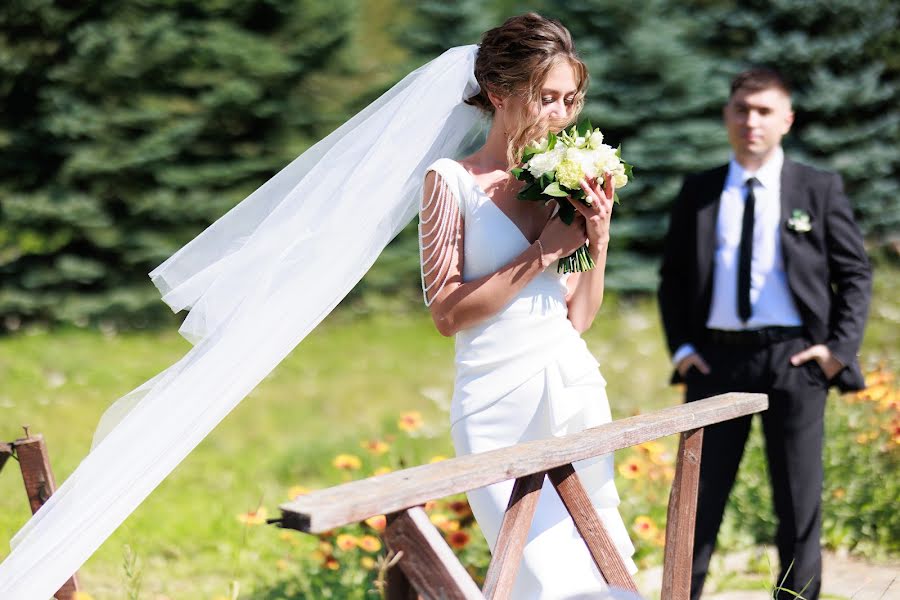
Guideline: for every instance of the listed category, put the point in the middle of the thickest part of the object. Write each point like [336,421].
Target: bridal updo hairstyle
[514,60]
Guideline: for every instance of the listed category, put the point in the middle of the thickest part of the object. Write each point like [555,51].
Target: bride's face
[557,98]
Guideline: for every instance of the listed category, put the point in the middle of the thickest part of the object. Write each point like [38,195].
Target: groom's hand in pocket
[820,353]
[692,360]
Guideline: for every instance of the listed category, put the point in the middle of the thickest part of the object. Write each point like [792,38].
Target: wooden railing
[428,566]
[34,462]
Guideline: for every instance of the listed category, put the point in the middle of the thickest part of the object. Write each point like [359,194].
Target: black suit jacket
[827,268]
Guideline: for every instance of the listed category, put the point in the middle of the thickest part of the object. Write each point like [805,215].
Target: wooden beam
[427,560]
[5,452]
[384,494]
[36,472]
[398,585]
[682,515]
[39,485]
[507,555]
[601,546]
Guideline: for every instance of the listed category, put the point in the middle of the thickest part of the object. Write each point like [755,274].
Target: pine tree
[425,32]
[438,25]
[660,77]
[842,58]
[130,126]
[648,92]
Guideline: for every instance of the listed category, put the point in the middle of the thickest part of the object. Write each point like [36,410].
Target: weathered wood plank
[682,514]
[36,472]
[398,585]
[39,485]
[351,502]
[507,556]
[591,528]
[427,560]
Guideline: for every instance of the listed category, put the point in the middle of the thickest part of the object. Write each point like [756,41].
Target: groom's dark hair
[756,79]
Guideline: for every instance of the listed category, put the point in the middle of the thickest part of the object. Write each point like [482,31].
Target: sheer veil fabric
[256,283]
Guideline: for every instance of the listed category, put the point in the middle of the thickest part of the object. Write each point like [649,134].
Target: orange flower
[376,447]
[651,447]
[289,537]
[430,505]
[461,508]
[367,562]
[347,462]
[382,471]
[458,539]
[656,452]
[378,522]
[839,493]
[444,523]
[660,539]
[878,376]
[645,528]
[369,543]
[253,517]
[631,468]
[410,421]
[331,563]
[297,490]
[326,548]
[346,542]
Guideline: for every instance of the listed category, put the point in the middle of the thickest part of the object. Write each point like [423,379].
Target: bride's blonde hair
[514,60]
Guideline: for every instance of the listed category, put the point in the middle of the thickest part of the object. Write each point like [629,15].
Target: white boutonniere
[799,221]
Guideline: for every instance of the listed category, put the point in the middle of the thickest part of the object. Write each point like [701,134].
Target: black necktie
[745,256]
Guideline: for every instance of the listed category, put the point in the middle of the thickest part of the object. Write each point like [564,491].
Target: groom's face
[756,121]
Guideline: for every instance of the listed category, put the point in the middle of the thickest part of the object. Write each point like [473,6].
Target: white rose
[605,158]
[585,158]
[619,176]
[542,163]
[595,140]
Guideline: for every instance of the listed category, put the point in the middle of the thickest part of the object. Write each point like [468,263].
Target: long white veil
[256,282]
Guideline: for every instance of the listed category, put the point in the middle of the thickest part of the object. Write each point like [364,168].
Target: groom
[765,287]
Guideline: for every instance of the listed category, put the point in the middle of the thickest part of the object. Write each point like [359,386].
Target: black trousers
[794,429]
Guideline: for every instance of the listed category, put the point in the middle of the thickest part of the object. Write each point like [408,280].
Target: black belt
[753,337]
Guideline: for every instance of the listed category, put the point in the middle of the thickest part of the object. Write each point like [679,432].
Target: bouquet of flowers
[553,169]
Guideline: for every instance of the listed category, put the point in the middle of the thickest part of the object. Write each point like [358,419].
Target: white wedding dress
[525,374]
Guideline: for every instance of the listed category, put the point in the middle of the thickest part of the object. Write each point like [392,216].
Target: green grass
[349,380]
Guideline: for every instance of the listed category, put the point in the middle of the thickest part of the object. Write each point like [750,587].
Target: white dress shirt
[770,296]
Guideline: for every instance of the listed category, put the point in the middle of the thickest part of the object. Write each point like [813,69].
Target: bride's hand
[559,240]
[597,216]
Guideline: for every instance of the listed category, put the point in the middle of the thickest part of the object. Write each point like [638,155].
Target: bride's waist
[540,303]
[519,330]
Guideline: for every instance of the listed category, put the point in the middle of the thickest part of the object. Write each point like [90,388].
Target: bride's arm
[586,289]
[456,304]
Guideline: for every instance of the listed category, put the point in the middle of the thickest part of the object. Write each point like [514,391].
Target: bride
[265,274]
[489,278]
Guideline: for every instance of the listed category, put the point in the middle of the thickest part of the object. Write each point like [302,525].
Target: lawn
[347,382]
